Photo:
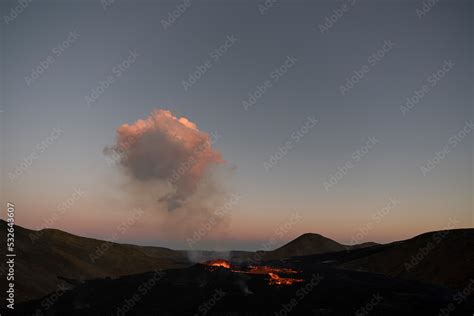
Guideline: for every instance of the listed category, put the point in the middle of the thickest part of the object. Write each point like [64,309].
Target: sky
[351,119]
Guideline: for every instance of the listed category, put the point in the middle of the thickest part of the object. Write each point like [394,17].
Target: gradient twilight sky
[311,87]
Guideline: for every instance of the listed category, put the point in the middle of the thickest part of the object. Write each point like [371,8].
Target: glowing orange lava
[272,272]
[219,263]
[275,279]
[268,269]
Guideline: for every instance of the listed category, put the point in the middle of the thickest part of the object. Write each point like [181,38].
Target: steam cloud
[165,148]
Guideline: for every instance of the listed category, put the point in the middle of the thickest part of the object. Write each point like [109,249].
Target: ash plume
[166,149]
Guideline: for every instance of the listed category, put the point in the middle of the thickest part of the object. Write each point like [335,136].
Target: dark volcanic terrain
[428,274]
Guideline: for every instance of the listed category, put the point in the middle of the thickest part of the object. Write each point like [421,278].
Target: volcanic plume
[167,149]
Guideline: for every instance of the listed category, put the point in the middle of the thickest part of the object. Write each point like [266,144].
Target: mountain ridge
[46,259]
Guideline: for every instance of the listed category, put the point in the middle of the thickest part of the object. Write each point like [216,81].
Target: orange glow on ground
[274,277]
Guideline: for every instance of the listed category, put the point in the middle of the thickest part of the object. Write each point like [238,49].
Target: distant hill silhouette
[442,257]
[42,257]
[310,244]
[46,259]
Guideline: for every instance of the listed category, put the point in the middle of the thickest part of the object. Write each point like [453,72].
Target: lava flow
[219,263]
[272,272]
[274,278]
[268,269]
